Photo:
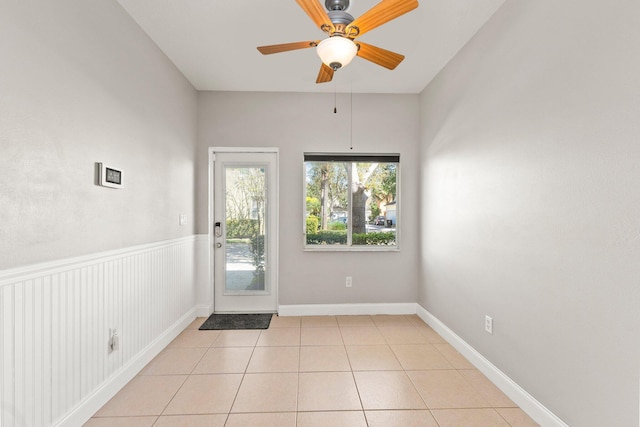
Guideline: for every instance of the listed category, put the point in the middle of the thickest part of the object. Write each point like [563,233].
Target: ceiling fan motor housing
[336,4]
[340,17]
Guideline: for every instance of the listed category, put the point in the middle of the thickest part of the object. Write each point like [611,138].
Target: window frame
[351,158]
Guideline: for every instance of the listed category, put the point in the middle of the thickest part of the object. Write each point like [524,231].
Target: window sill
[337,248]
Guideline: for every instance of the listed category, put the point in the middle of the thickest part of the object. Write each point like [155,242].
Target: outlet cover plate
[488,324]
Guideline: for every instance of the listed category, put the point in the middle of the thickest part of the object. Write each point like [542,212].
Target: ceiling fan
[340,47]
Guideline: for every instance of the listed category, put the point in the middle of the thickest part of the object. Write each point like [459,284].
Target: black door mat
[237,321]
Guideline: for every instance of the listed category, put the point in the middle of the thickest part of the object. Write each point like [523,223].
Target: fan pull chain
[335,103]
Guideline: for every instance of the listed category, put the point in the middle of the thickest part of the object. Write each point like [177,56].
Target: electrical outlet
[488,324]
[349,282]
[114,340]
[182,219]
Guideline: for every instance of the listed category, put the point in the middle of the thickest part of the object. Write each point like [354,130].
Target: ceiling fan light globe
[336,52]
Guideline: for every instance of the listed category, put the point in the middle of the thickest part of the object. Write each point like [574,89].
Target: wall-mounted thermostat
[110,176]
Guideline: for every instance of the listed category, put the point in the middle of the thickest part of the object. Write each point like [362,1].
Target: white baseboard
[524,400]
[204,310]
[92,403]
[346,309]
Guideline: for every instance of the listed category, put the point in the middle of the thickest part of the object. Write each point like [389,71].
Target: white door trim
[210,216]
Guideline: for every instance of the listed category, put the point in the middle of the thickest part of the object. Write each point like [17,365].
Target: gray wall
[296,123]
[80,83]
[530,206]
[525,192]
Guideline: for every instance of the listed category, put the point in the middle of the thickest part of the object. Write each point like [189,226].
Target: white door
[245,232]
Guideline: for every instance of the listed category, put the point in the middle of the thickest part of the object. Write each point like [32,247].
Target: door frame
[211,217]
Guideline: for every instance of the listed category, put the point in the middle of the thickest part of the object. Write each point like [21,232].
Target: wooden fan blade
[316,13]
[325,75]
[379,14]
[379,56]
[285,47]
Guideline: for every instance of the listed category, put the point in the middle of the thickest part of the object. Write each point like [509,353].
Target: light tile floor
[351,371]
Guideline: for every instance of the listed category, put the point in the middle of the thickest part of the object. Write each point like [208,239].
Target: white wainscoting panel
[55,320]
[203,276]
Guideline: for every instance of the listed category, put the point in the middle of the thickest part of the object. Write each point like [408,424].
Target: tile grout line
[299,366]
[186,377]
[353,375]
[183,382]
[244,374]
[411,380]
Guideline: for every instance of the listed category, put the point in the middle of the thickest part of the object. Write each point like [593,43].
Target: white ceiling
[213,43]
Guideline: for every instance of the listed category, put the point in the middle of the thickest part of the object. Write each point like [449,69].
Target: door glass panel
[245,193]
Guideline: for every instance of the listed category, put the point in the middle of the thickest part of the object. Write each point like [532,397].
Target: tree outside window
[351,200]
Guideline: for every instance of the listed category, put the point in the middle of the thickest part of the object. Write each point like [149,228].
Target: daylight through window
[351,201]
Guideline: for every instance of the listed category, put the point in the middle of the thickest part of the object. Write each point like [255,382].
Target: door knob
[218,245]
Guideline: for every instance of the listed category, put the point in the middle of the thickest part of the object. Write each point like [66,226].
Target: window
[351,201]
